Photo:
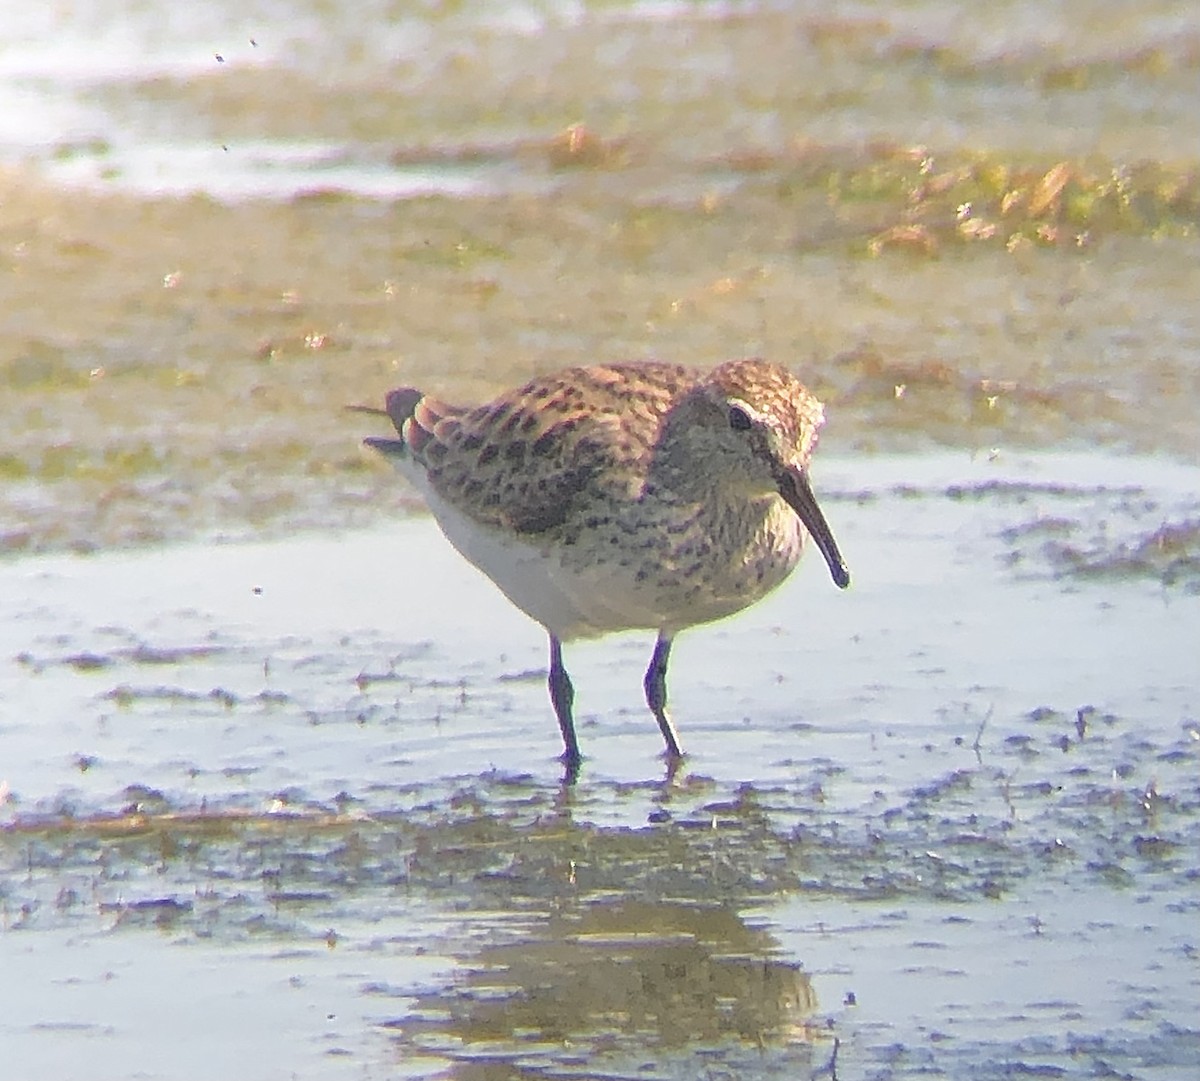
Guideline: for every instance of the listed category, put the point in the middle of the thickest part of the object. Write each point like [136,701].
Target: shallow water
[962,796]
[278,793]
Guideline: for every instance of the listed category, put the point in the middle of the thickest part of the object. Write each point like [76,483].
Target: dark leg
[656,694]
[562,695]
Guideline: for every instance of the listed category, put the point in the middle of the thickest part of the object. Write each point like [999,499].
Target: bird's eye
[739,419]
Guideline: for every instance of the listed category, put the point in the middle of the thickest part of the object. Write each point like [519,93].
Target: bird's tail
[412,414]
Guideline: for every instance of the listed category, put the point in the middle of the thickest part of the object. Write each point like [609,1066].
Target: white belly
[578,591]
[568,603]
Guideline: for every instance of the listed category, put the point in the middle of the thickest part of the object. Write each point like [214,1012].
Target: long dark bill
[798,494]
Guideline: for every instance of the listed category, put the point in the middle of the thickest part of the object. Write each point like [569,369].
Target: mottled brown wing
[529,459]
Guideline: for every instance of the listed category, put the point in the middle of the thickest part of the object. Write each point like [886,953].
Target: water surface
[926,823]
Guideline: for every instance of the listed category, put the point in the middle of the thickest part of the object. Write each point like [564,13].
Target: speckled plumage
[639,495]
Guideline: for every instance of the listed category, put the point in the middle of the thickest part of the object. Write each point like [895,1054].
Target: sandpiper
[609,498]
